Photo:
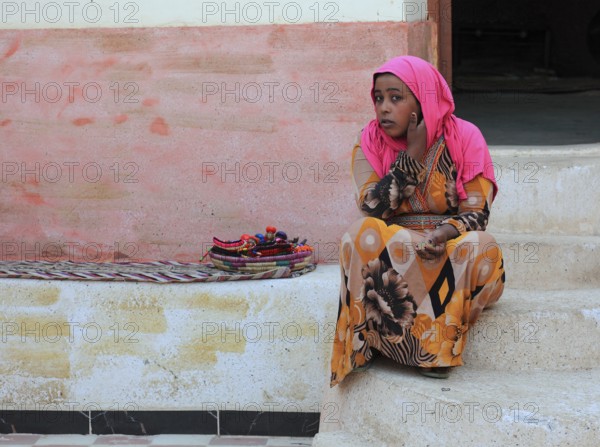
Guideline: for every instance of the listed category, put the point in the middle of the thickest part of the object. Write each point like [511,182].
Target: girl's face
[394,103]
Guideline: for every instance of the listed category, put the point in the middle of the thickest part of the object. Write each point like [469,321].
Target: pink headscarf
[464,141]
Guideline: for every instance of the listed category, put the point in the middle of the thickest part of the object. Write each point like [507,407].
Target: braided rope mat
[156,272]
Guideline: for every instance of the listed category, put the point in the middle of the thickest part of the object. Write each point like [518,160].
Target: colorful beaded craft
[260,252]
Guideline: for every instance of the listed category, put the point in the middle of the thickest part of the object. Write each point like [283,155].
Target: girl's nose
[385,105]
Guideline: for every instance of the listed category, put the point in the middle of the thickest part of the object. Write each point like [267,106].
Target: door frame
[440,12]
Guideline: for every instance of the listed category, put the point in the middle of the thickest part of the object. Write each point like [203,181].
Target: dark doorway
[528,71]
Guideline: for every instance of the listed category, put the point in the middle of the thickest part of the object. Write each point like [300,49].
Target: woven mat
[156,272]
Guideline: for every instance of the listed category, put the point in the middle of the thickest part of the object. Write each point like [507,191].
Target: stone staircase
[531,374]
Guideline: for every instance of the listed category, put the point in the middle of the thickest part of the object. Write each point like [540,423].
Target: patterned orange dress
[412,310]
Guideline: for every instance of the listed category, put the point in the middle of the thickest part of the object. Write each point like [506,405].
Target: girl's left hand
[434,244]
[431,247]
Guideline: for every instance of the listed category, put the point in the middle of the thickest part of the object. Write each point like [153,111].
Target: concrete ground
[537,119]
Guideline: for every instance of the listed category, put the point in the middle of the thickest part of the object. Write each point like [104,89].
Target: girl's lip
[386,123]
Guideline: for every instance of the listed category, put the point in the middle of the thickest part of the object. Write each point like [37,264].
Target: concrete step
[338,439]
[153,346]
[95,340]
[390,405]
[546,190]
[537,330]
[550,262]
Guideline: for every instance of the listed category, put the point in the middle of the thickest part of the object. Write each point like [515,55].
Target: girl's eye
[396,98]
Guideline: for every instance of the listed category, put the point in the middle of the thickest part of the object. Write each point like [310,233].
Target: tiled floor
[154,441]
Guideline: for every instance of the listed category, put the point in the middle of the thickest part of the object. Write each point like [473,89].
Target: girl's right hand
[416,138]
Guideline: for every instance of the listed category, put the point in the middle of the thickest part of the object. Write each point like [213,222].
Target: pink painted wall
[147,142]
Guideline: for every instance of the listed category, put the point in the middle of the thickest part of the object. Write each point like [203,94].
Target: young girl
[417,272]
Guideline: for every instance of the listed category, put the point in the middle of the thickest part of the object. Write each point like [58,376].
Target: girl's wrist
[415,153]
[449,231]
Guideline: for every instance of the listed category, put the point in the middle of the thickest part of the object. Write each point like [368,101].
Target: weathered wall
[143,143]
[109,346]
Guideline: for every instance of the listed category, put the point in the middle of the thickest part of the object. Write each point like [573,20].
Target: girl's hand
[430,250]
[434,243]
[416,138]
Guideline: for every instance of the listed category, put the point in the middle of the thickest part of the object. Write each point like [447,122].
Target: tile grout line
[218,422]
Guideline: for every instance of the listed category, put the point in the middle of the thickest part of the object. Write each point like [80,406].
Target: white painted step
[550,262]
[393,406]
[168,346]
[537,330]
[547,190]
[338,439]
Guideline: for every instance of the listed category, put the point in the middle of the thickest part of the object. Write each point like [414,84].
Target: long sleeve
[474,211]
[379,197]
